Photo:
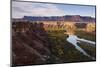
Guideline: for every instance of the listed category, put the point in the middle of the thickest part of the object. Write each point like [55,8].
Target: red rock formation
[29,44]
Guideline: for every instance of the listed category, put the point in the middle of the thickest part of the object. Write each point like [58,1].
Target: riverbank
[86,35]
[63,50]
[91,50]
[74,40]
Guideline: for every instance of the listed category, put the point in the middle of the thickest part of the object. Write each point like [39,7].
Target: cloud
[20,9]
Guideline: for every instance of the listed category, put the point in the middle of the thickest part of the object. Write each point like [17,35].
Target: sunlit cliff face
[91,27]
[61,25]
[70,33]
[69,27]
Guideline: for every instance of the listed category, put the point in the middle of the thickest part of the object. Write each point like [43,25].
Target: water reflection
[74,40]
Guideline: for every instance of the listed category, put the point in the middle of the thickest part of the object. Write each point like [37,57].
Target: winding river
[73,39]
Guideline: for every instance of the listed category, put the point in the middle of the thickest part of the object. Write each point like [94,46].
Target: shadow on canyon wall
[33,45]
[29,43]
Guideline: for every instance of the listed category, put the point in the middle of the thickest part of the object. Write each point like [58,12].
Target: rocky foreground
[29,44]
[34,45]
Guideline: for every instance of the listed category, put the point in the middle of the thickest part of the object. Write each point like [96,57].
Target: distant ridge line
[74,18]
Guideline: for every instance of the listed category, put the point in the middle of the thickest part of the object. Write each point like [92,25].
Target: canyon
[44,42]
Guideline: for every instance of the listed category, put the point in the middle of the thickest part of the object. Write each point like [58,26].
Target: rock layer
[29,43]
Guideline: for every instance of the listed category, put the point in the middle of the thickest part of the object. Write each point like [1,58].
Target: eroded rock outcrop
[29,43]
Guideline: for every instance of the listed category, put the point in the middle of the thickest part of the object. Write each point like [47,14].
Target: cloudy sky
[20,9]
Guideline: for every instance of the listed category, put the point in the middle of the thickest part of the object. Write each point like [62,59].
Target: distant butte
[75,18]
